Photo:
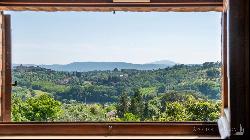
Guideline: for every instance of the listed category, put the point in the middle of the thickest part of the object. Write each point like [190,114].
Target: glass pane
[122,67]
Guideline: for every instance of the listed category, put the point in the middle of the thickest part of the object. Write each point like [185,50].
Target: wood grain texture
[238,49]
[1,63]
[224,58]
[109,129]
[6,69]
[108,5]
[134,1]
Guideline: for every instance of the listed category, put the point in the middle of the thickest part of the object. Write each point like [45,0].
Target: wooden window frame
[82,128]
[5,68]
[108,5]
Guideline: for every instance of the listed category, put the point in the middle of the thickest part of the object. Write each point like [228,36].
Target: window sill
[109,137]
[111,129]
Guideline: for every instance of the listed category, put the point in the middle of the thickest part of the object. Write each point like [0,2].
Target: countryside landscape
[122,67]
[160,91]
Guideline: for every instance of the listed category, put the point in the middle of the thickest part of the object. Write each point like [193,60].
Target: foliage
[178,93]
[137,104]
[123,105]
[37,108]
[130,117]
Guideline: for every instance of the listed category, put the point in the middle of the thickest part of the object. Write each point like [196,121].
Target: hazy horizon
[107,62]
[44,38]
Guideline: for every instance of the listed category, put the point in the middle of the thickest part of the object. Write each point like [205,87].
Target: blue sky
[65,37]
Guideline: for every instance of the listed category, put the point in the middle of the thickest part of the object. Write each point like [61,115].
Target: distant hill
[164,62]
[100,66]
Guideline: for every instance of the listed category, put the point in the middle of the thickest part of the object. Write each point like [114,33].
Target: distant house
[111,114]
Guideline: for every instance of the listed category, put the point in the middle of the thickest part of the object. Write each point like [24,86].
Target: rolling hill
[101,66]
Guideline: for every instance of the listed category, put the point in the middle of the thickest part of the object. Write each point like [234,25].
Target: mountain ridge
[164,62]
[100,66]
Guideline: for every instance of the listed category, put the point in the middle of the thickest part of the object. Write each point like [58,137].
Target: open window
[131,74]
[162,92]
[149,128]
[114,127]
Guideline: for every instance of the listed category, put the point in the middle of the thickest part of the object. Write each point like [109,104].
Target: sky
[134,37]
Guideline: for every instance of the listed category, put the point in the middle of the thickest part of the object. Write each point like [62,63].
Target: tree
[154,108]
[213,73]
[208,64]
[130,117]
[161,89]
[123,105]
[146,113]
[74,111]
[175,111]
[98,88]
[115,70]
[137,105]
[38,108]
[203,110]
[18,109]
